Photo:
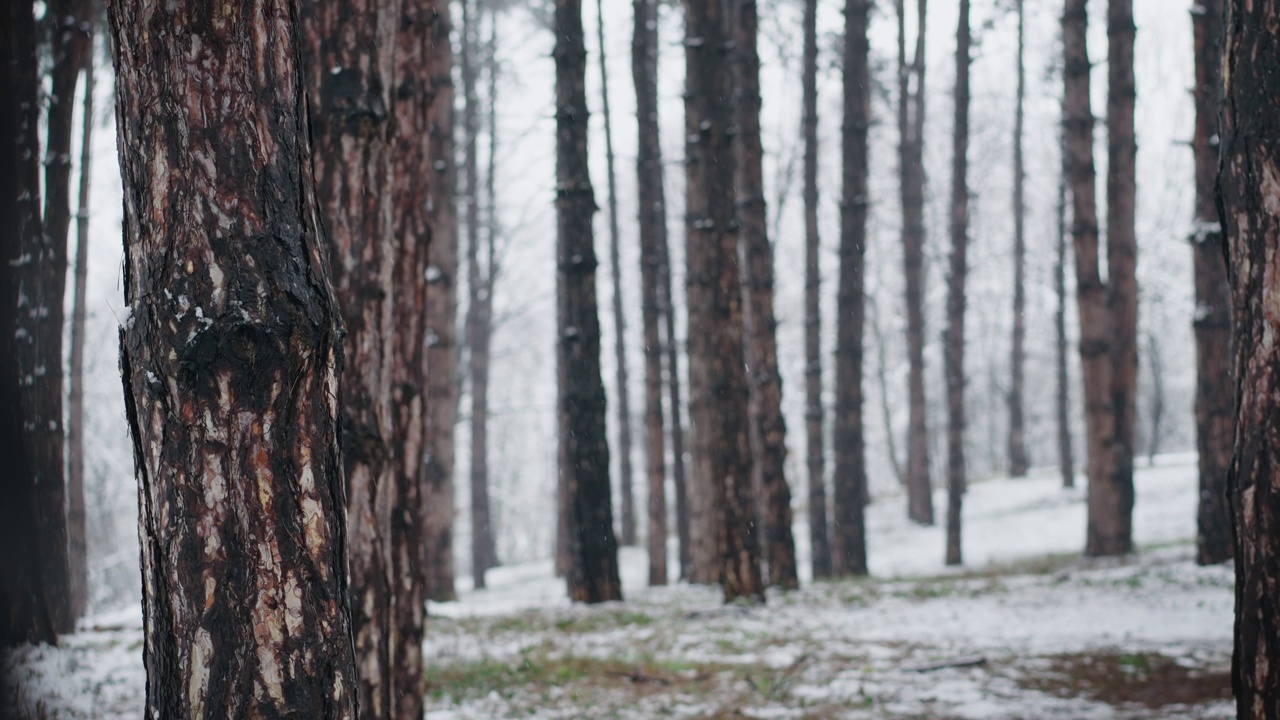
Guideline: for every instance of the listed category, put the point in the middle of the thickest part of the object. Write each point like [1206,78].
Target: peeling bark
[953,338]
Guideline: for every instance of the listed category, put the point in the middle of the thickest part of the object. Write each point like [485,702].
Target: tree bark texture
[719,387]
[442,307]
[653,231]
[584,449]
[820,546]
[911,109]
[953,338]
[26,607]
[1249,204]
[231,356]
[1019,461]
[1215,410]
[1066,453]
[849,483]
[768,430]
[619,317]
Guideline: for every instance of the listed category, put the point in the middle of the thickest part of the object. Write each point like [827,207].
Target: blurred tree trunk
[719,388]
[1215,407]
[231,356]
[584,448]
[653,232]
[1018,459]
[26,605]
[1066,455]
[953,338]
[911,166]
[671,345]
[818,539]
[768,429]
[849,483]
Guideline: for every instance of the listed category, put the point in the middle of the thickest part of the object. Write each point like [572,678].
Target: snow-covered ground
[1027,629]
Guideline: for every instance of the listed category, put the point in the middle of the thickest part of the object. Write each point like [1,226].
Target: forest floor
[1028,629]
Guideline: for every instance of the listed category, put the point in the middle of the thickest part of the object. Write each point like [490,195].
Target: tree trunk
[442,308]
[718,383]
[849,484]
[619,319]
[818,538]
[886,410]
[26,606]
[684,533]
[953,338]
[485,324]
[653,232]
[1066,455]
[350,76]
[231,356]
[1018,459]
[1249,193]
[584,449]
[911,158]
[768,431]
[1215,409]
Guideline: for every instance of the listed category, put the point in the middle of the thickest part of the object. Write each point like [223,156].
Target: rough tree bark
[1019,462]
[849,483]
[719,387]
[818,539]
[1249,198]
[231,356]
[1066,453]
[768,429]
[584,448]
[953,338]
[911,167]
[653,231]
[1215,410]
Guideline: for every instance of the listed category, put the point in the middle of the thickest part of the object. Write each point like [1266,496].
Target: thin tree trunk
[653,231]
[1018,459]
[1066,455]
[953,338]
[584,448]
[886,409]
[1249,192]
[911,158]
[1155,363]
[684,533]
[231,357]
[719,387]
[818,538]
[768,430]
[442,307]
[26,608]
[1215,407]
[619,318]
[485,326]
[849,484]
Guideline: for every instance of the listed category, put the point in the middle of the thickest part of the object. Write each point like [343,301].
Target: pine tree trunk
[911,159]
[1249,193]
[1066,455]
[653,231]
[1018,459]
[1215,407]
[719,388]
[953,338]
[768,427]
[849,484]
[813,415]
[684,533]
[26,606]
[231,356]
[442,307]
[584,449]
[484,326]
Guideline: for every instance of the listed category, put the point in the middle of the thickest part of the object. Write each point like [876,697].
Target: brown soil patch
[1149,679]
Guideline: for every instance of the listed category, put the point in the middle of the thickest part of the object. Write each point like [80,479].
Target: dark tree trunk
[1249,193]
[849,484]
[442,307]
[768,427]
[911,159]
[719,387]
[653,233]
[1018,459]
[813,416]
[1215,410]
[619,318]
[1066,454]
[231,357]
[584,449]
[26,606]
[953,338]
